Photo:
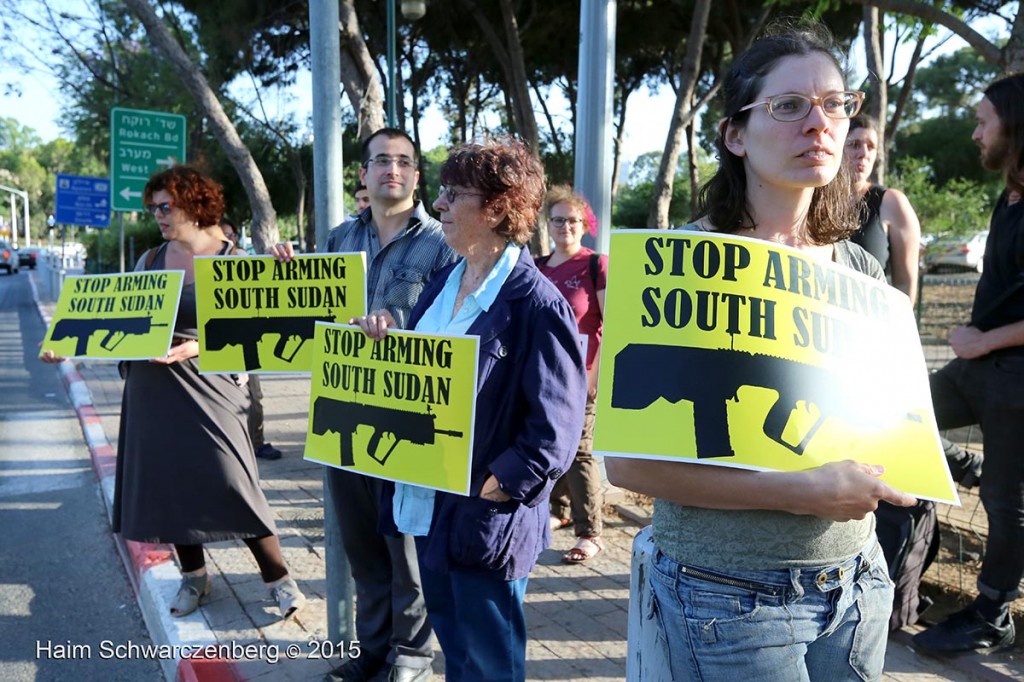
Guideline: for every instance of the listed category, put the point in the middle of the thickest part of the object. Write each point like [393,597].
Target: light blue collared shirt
[413,505]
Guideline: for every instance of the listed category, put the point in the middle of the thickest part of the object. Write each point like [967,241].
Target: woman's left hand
[376,324]
[179,353]
[492,491]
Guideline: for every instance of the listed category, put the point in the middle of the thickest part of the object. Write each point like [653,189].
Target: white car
[960,253]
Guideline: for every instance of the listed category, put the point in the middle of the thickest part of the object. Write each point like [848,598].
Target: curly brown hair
[510,179]
[200,197]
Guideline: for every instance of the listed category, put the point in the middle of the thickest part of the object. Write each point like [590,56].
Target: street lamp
[411,10]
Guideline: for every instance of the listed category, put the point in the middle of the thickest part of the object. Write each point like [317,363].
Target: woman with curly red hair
[186,472]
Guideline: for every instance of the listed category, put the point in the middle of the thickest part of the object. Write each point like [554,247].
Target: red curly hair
[199,196]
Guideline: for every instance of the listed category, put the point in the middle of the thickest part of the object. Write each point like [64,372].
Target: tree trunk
[358,73]
[264,219]
[877,106]
[901,101]
[1013,53]
[620,129]
[682,114]
[691,158]
[509,54]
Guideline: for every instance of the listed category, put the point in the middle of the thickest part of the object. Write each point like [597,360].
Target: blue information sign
[83,201]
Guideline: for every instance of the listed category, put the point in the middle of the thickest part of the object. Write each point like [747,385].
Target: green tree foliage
[961,206]
[30,165]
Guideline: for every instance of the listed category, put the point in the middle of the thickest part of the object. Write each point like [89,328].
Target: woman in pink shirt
[580,275]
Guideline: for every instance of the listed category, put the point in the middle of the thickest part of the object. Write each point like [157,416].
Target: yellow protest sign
[401,408]
[737,352]
[256,314]
[116,317]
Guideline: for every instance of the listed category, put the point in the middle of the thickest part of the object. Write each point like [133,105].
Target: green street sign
[141,143]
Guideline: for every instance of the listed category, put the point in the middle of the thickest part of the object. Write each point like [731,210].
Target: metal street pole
[392,50]
[329,209]
[14,213]
[593,171]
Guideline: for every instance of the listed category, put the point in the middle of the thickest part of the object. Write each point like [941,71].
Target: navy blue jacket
[531,392]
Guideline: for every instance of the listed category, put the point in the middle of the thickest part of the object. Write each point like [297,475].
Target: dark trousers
[391,616]
[480,623]
[989,392]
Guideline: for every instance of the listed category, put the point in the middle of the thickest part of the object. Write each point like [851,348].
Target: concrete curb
[151,568]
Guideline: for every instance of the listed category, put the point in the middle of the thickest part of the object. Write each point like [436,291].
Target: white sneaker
[289,598]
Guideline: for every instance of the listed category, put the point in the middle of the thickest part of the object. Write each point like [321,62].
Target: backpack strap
[595,265]
[542,260]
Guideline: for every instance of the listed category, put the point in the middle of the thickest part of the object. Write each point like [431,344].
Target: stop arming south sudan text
[755,316]
[90,294]
[395,348]
[261,297]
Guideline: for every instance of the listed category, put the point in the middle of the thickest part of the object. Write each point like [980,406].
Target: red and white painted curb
[151,568]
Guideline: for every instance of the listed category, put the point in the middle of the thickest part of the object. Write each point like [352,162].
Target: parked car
[966,252]
[8,257]
[28,257]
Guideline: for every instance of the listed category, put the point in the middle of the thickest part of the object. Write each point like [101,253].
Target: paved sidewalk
[576,614]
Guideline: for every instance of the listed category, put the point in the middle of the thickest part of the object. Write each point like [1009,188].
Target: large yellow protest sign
[737,352]
[116,317]
[256,314]
[401,408]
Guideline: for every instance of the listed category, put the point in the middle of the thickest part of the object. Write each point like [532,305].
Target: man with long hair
[983,385]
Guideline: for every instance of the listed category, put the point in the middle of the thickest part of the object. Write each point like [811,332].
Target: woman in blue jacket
[475,552]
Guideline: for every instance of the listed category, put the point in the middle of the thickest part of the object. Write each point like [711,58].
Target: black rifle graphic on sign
[709,377]
[117,328]
[225,331]
[343,418]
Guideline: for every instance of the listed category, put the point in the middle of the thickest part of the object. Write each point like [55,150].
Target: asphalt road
[67,609]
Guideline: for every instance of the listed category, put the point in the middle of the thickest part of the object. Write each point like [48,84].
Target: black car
[27,257]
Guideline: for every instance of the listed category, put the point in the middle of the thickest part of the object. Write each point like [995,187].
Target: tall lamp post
[411,10]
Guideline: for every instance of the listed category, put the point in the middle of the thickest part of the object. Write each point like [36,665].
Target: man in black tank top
[984,385]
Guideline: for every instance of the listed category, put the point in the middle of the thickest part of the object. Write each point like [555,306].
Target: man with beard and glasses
[983,385]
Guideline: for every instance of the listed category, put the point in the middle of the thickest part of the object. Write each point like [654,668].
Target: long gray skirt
[186,472]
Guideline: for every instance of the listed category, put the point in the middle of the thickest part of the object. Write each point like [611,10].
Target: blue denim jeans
[787,625]
[479,622]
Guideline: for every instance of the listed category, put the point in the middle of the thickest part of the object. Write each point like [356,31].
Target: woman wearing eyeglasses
[186,471]
[475,552]
[580,275]
[771,575]
[889,228]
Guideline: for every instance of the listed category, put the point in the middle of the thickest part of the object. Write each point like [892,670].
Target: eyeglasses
[560,221]
[452,194]
[793,107]
[164,208]
[385,161]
